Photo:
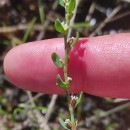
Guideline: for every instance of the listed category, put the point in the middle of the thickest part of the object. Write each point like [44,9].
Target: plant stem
[63,27]
[65,71]
[65,68]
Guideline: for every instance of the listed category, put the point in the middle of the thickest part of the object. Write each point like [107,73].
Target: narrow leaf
[71,6]
[80,99]
[27,33]
[61,2]
[60,82]
[56,60]
[41,12]
[76,39]
[81,25]
[58,26]
[63,124]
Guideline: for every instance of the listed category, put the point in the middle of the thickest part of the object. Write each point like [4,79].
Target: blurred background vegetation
[30,20]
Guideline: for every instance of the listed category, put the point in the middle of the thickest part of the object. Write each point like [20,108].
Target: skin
[99,66]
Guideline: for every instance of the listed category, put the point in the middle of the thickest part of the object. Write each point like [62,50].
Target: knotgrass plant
[63,27]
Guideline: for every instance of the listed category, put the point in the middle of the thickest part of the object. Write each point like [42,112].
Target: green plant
[63,27]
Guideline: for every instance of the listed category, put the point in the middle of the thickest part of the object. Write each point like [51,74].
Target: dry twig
[108,19]
[50,109]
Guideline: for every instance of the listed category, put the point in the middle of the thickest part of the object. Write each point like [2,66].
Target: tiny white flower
[73,97]
[63,23]
[76,123]
[67,121]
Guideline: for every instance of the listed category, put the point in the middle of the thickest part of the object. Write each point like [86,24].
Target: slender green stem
[65,69]
[72,114]
[65,66]
[67,94]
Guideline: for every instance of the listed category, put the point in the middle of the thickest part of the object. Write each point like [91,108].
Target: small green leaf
[60,82]
[63,124]
[79,99]
[42,108]
[61,2]
[71,6]
[22,105]
[58,26]
[56,60]
[18,110]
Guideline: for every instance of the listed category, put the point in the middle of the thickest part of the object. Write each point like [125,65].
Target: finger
[98,66]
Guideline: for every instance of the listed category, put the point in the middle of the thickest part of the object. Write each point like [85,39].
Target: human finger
[98,65]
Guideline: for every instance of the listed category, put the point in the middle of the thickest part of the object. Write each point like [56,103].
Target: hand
[98,66]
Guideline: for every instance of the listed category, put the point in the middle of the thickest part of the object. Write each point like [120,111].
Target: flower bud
[71,41]
[68,123]
[73,100]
